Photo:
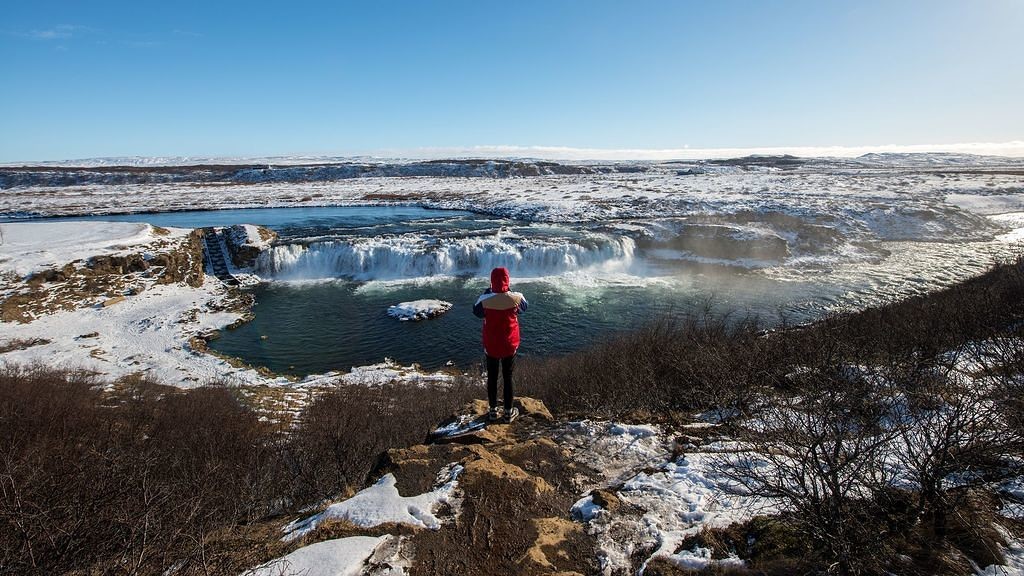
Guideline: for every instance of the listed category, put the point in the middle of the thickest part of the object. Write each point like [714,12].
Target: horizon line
[1010,149]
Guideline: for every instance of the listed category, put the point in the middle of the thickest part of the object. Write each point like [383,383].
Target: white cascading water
[416,256]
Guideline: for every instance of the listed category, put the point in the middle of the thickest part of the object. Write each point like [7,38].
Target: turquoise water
[335,325]
[322,326]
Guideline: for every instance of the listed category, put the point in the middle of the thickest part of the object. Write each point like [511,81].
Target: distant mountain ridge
[189,170]
[56,176]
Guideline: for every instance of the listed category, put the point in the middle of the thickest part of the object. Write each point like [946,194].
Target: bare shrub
[145,477]
[954,434]
[344,432]
[820,453]
[680,364]
[127,483]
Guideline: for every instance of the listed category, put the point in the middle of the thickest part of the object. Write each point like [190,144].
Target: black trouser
[492,379]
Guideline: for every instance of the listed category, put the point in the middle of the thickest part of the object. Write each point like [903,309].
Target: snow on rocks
[698,558]
[667,499]
[419,309]
[30,247]
[390,371]
[251,235]
[615,449]
[1014,554]
[586,509]
[382,504]
[339,557]
[245,242]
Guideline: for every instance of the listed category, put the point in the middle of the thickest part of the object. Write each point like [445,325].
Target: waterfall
[416,256]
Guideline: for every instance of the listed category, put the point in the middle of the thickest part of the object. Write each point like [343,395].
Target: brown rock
[111,301]
[537,451]
[535,408]
[488,463]
[549,546]
[606,499]
[477,407]
[527,407]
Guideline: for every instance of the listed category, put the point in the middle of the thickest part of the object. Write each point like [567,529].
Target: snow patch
[1014,553]
[672,499]
[633,431]
[30,247]
[585,509]
[247,235]
[382,504]
[988,204]
[389,371]
[339,557]
[615,449]
[699,558]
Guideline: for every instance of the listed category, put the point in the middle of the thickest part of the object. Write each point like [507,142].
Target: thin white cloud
[1008,149]
[59,32]
[142,43]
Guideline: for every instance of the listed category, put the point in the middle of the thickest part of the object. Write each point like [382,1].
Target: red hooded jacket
[500,310]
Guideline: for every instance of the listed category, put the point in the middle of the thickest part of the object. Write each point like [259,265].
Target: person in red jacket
[500,308]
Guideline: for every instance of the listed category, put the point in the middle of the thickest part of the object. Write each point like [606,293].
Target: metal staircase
[215,255]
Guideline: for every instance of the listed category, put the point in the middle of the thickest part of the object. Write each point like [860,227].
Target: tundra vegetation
[884,434]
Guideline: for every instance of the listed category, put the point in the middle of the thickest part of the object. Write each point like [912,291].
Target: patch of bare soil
[21,344]
[392,196]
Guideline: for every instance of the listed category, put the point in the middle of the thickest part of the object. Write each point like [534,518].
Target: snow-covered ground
[565,198]
[675,496]
[382,504]
[338,557]
[145,333]
[32,247]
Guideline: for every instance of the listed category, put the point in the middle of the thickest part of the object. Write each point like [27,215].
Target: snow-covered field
[889,193]
[33,248]
[145,333]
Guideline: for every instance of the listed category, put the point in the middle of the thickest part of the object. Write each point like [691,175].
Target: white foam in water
[417,256]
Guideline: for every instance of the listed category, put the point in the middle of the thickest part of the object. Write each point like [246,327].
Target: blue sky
[127,78]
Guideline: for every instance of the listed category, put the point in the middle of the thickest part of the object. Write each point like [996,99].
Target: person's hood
[499,280]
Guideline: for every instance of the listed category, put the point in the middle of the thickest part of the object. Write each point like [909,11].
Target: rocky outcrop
[517,487]
[246,241]
[103,279]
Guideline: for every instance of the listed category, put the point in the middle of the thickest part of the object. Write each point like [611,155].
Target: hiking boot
[512,414]
[493,414]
